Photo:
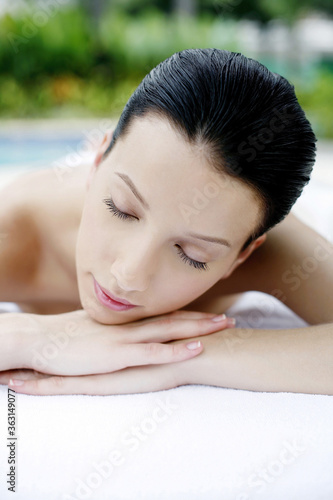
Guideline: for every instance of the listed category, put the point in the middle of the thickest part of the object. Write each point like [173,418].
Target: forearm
[16,331]
[294,360]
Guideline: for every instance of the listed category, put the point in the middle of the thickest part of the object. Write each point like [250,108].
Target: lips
[109,300]
[113,297]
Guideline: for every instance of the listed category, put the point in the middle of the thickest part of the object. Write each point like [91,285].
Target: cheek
[90,235]
[181,291]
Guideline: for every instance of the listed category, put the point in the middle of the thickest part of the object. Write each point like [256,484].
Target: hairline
[214,163]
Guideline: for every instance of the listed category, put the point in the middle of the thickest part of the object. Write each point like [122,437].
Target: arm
[15,334]
[73,346]
[292,360]
[297,360]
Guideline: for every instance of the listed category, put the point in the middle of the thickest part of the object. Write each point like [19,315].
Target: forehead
[176,176]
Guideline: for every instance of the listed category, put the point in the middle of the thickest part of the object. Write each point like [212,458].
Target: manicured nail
[220,317]
[231,321]
[15,382]
[193,345]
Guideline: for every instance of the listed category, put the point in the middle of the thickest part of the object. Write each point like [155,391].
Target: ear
[245,254]
[98,158]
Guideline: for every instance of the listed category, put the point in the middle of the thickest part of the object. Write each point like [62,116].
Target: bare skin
[47,235]
[40,274]
[41,218]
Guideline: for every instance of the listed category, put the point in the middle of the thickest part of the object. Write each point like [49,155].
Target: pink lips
[109,300]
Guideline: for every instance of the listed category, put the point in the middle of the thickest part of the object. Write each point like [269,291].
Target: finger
[179,314]
[5,376]
[131,380]
[47,386]
[184,314]
[24,374]
[171,328]
[154,353]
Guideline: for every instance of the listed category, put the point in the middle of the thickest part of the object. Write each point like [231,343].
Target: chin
[114,319]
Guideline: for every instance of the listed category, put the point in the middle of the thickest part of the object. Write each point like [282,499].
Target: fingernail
[15,382]
[231,321]
[193,345]
[220,317]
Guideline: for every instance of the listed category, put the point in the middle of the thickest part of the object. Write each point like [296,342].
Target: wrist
[188,372]
[14,339]
[23,331]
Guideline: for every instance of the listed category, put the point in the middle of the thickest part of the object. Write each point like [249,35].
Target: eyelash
[114,210]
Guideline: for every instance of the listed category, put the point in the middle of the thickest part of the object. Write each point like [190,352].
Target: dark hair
[248,116]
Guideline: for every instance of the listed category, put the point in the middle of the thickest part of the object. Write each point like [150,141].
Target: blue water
[29,150]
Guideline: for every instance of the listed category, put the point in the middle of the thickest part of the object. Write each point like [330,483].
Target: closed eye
[122,215]
[115,211]
[192,262]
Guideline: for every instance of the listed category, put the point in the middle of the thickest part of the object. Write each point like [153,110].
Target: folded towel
[189,443]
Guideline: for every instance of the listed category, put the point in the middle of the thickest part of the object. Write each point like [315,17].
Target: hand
[74,344]
[132,380]
[212,367]
[135,379]
[20,374]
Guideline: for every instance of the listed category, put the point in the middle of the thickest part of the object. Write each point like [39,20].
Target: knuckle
[57,382]
[152,349]
[168,322]
[176,350]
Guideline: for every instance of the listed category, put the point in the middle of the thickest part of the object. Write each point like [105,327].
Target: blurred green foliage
[317,103]
[262,10]
[74,65]
[64,66]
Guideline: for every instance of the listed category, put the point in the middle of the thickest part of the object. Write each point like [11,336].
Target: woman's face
[158,256]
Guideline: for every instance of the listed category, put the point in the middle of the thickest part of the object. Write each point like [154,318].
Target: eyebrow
[136,193]
[211,239]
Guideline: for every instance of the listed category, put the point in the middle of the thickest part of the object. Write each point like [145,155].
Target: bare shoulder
[20,249]
[295,264]
[37,210]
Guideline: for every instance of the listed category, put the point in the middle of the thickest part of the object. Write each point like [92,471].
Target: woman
[178,215]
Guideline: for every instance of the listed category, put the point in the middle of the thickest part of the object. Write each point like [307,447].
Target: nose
[128,282]
[133,271]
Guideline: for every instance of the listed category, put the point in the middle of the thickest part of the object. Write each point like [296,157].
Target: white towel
[188,443]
